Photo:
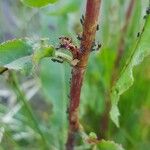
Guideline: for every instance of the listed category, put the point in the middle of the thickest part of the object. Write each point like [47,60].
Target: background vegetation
[47,91]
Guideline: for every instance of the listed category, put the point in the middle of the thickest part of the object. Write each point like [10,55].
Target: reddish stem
[89,31]
[104,120]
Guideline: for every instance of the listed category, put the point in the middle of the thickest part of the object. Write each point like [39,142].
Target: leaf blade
[109,145]
[38,3]
[14,49]
[140,51]
[23,54]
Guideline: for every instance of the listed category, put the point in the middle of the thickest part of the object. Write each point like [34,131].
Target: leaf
[53,78]
[16,54]
[14,49]
[38,3]
[140,51]
[24,63]
[95,144]
[22,54]
[42,52]
[109,145]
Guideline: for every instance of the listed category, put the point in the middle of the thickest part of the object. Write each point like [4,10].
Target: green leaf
[140,51]
[24,64]
[16,54]
[38,3]
[109,145]
[14,49]
[42,52]
[92,135]
[22,54]
[53,80]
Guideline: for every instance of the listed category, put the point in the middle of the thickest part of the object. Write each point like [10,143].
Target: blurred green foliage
[50,103]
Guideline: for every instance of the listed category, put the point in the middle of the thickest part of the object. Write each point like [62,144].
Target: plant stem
[88,36]
[28,108]
[121,45]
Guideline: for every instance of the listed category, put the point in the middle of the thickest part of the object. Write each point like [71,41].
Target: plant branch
[88,36]
[24,100]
